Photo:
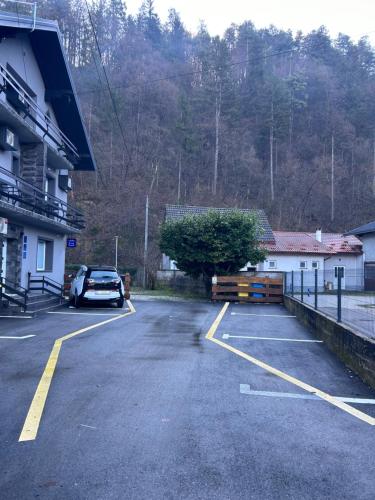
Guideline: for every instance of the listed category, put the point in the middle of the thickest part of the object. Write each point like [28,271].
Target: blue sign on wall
[71,242]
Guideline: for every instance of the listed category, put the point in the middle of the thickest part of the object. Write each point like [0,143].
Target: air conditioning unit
[3,226]
[65,182]
[7,139]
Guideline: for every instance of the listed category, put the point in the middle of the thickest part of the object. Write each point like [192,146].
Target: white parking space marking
[262,315]
[87,313]
[227,336]
[245,389]
[16,317]
[17,338]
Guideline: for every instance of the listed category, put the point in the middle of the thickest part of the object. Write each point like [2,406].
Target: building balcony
[21,201]
[19,110]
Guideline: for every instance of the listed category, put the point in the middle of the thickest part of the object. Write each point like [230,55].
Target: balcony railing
[22,194]
[21,100]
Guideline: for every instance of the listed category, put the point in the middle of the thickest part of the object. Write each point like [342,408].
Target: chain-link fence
[340,293]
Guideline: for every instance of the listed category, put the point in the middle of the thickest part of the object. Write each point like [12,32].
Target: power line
[109,87]
[195,72]
[200,71]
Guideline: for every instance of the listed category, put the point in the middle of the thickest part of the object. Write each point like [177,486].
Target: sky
[352,17]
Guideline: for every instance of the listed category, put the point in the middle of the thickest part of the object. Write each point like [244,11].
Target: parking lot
[179,400]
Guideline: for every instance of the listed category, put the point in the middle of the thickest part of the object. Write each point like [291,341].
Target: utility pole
[179,180]
[116,250]
[146,245]
[332,177]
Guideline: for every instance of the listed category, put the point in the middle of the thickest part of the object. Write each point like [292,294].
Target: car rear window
[103,274]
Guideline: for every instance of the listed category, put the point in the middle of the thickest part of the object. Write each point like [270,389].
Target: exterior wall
[33,167]
[354,271]
[29,263]
[18,52]
[167,264]
[287,263]
[368,241]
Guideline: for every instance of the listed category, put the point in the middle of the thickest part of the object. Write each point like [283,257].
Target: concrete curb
[354,349]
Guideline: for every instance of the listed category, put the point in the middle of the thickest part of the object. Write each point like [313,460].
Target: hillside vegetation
[257,118]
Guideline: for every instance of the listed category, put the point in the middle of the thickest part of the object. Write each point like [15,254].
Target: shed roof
[175,212]
[365,229]
[48,49]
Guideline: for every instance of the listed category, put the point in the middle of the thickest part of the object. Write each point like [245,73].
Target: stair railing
[13,293]
[44,284]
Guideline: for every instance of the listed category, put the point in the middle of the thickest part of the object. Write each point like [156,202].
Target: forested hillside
[257,118]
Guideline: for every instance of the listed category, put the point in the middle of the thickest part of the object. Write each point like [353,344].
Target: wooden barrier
[254,289]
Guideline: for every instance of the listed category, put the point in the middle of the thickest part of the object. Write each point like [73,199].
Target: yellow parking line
[306,387]
[34,415]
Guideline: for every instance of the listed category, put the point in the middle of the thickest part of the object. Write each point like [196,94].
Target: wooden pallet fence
[256,289]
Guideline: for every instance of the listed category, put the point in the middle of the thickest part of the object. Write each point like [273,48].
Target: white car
[97,283]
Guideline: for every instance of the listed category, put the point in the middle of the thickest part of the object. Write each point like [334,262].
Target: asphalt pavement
[143,406]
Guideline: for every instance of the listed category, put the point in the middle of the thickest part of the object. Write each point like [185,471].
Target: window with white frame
[303,264]
[44,255]
[315,264]
[272,264]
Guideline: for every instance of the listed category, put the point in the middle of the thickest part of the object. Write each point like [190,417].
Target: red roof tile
[299,242]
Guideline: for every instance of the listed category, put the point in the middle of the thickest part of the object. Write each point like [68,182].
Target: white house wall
[18,53]
[368,241]
[287,263]
[354,279]
[29,263]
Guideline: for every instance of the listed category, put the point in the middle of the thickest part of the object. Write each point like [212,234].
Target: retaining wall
[354,349]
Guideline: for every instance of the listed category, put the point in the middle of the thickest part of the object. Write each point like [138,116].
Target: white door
[339,269]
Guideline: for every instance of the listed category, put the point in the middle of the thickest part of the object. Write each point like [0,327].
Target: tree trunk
[217,130]
[332,177]
[271,154]
[179,180]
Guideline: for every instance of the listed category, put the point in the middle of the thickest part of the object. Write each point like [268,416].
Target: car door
[77,283]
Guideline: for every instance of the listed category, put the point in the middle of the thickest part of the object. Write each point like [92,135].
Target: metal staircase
[41,294]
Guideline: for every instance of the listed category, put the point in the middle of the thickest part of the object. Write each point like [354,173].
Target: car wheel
[120,303]
[77,301]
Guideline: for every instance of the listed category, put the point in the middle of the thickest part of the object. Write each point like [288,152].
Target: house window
[50,186]
[315,264]
[44,255]
[303,264]
[272,264]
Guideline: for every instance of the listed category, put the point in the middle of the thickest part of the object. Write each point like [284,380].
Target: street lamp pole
[146,245]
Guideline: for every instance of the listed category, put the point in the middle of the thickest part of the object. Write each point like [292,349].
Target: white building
[42,140]
[328,253]
[366,234]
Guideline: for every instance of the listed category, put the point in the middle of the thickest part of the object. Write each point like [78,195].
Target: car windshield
[103,274]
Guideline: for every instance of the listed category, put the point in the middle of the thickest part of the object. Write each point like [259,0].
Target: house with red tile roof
[326,252]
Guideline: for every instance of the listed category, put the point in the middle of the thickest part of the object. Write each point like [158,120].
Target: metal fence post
[339,275]
[292,283]
[316,289]
[301,286]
